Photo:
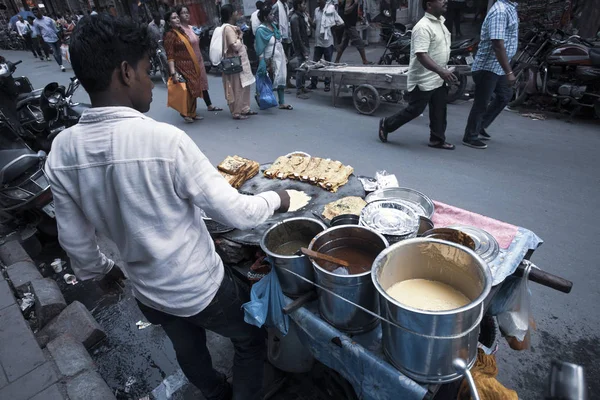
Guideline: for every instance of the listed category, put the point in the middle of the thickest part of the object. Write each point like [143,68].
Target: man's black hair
[34,9]
[259,4]
[226,13]
[156,16]
[297,4]
[424,4]
[264,12]
[100,44]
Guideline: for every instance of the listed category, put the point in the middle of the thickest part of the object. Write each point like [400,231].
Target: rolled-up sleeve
[77,236]
[498,22]
[199,181]
[421,40]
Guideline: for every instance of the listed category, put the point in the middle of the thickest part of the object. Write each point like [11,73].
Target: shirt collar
[98,114]
[508,2]
[433,18]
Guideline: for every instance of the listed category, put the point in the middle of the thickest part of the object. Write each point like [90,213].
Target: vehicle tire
[457,90]
[385,60]
[520,93]
[366,99]
[164,69]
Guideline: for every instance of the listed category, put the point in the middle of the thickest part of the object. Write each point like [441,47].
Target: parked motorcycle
[25,195]
[397,49]
[159,64]
[562,67]
[40,114]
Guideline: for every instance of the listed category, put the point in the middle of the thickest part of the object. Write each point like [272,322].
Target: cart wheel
[331,384]
[366,99]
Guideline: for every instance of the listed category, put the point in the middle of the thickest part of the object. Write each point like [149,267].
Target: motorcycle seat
[25,98]
[595,56]
[18,168]
[459,44]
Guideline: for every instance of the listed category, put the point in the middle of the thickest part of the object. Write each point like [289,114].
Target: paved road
[542,175]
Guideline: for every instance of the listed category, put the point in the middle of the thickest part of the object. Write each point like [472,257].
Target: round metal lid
[389,218]
[486,246]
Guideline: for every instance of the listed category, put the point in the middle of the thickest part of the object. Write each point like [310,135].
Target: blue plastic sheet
[266,304]
[264,92]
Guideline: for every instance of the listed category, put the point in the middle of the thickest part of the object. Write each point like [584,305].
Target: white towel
[330,19]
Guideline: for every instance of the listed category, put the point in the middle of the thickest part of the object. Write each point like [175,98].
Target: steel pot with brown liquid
[425,343]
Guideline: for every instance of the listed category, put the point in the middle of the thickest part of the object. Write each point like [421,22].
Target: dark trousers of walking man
[454,14]
[327,54]
[418,100]
[55,46]
[29,44]
[484,111]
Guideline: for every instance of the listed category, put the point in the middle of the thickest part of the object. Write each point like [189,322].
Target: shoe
[63,69]
[312,87]
[302,96]
[383,134]
[475,143]
[47,58]
[483,135]
[42,58]
[306,90]
[327,88]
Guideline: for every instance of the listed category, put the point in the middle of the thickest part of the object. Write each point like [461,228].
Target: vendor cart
[362,370]
[369,83]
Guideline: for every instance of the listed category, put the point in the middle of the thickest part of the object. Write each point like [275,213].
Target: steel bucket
[356,288]
[283,232]
[429,341]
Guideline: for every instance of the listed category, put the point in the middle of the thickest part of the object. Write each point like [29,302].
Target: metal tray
[486,246]
[390,218]
[416,200]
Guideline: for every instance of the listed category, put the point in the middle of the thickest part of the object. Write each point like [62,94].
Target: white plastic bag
[516,320]
[64,49]
[385,180]
[216,46]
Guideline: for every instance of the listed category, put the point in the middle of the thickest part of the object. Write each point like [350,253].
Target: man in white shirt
[24,30]
[47,30]
[254,17]
[144,184]
[427,76]
[325,18]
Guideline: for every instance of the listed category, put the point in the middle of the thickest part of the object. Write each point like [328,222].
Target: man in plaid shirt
[492,72]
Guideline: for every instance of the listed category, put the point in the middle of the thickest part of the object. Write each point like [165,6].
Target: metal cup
[567,382]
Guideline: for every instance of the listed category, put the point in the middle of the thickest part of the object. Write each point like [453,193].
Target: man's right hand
[447,75]
[512,78]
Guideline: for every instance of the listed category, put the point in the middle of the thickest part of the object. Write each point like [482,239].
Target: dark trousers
[225,317]
[418,100]
[300,74]
[454,14]
[55,50]
[327,54]
[40,45]
[484,111]
[206,98]
[29,44]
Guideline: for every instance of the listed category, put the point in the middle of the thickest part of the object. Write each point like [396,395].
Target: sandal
[382,132]
[250,113]
[441,145]
[188,120]
[213,108]
[240,116]
[286,107]
[198,118]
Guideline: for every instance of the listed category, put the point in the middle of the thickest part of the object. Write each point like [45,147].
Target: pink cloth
[446,215]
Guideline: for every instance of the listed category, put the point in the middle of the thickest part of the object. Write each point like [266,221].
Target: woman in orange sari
[183,64]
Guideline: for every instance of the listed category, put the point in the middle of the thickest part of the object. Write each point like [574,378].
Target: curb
[57,365]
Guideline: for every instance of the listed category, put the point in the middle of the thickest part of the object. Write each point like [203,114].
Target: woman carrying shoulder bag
[237,75]
[183,64]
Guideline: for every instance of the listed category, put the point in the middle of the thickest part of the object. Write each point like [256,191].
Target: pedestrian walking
[24,30]
[144,184]
[47,30]
[271,55]
[428,77]
[237,85]
[325,18]
[183,64]
[35,41]
[184,18]
[301,46]
[281,14]
[454,15]
[68,28]
[350,34]
[492,72]
[156,27]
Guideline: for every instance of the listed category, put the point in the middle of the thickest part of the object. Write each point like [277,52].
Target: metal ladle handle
[461,367]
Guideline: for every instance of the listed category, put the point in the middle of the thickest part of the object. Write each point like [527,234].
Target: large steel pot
[288,230]
[426,343]
[356,288]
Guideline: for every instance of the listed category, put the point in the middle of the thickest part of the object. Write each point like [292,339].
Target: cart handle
[544,278]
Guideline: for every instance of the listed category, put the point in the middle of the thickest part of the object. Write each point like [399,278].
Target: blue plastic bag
[264,92]
[266,304]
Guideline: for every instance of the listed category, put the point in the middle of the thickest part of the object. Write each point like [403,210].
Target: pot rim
[269,253]
[333,228]
[474,303]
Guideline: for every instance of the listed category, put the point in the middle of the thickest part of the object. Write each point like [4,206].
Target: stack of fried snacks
[237,170]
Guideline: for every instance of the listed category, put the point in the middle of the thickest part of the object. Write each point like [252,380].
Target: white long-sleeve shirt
[142,183]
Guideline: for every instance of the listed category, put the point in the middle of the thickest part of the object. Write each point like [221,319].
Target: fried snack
[280,163]
[338,179]
[300,165]
[233,164]
[237,170]
[312,165]
[346,205]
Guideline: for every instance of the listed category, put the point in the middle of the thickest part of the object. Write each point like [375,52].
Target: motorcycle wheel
[387,60]
[457,90]
[520,92]
[164,70]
